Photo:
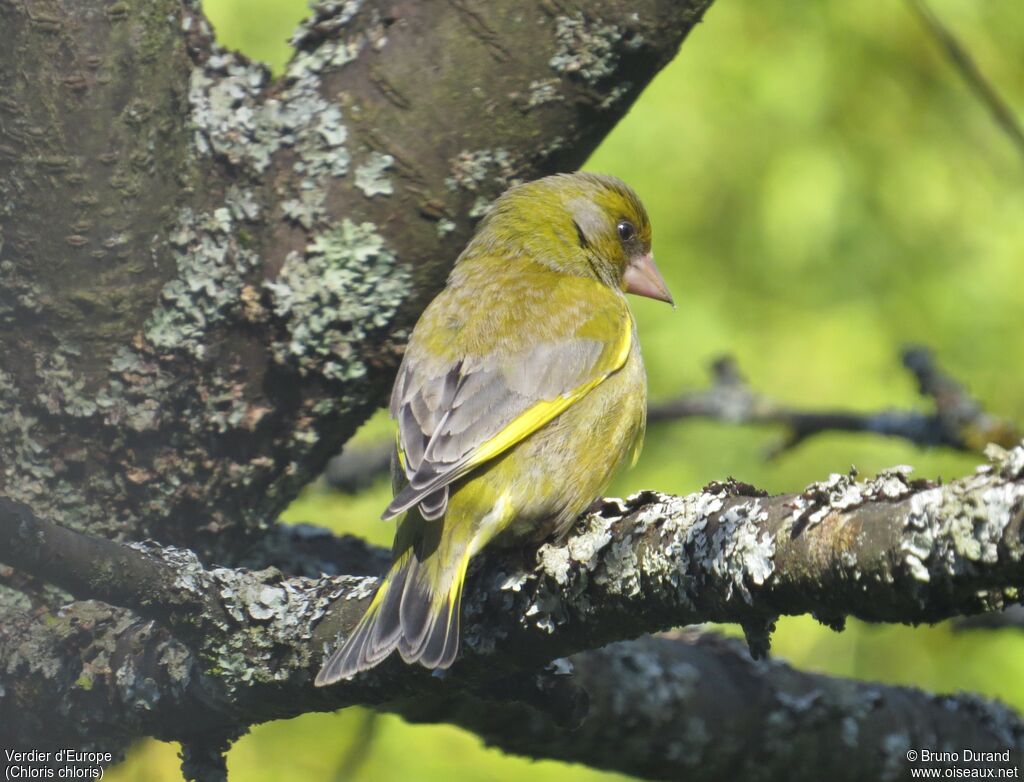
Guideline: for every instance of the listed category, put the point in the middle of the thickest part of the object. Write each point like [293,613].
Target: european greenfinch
[520,393]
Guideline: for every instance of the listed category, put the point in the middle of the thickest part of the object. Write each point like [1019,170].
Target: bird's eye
[626,230]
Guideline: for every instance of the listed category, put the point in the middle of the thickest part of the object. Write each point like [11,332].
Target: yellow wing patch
[541,413]
[612,359]
[399,449]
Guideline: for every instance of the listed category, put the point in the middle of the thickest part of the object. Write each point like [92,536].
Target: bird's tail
[416,610]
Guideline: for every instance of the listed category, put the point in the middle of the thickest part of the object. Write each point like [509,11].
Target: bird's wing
[454,417]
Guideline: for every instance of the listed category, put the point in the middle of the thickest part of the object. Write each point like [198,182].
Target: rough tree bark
[196,652]
[206,278]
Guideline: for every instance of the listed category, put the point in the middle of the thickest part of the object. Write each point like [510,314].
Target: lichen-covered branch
[958,421]
[694,706]
[887,549]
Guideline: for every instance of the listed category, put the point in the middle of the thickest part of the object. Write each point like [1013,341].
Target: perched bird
[521,392]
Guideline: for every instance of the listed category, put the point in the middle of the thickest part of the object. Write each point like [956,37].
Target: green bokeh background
[823,189]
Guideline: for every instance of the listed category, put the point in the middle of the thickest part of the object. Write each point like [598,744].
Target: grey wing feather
[434,505]
[445,417]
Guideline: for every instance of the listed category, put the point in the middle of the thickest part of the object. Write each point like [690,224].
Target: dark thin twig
[353,758]
[1011,617]
[356,467]
[958,421]
[968,69]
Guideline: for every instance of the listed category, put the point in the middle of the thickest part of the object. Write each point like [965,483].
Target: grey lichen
[1007,463]
[839,492]
[212,268]
[481,206]
[13,600]
[370,177]
[791,711]
[62,390]
[188,570]
[320,44]
[894,755]
[615,94]
[665,687]
[742,550]
[555,561]
[20,295]
[234,118]
[683,532]
[588,49]
[585,547]
[445,227]
[543,91]
[891,484]
[482,169]
[25,463]
[843,493]
[255,624]
[951,529]
[327,17]
[345,287]
[118,654]
[326,56]
[617,558]
[572,567]
[228,113]
[308,207]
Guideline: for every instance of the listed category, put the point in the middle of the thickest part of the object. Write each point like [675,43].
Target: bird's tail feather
[376,634]
[416,610]
[430,615]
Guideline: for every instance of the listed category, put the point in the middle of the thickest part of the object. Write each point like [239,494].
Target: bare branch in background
[1011,617]
[958,421]
[965,65]
[358,466]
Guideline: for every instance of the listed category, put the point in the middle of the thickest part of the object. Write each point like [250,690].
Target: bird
[520,393]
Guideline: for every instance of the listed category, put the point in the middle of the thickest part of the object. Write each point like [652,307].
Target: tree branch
[1011,617]
[888,549]
[959,420]
[356,467]
[968,69]
[696,707]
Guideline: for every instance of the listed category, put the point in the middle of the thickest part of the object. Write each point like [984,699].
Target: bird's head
[589,225]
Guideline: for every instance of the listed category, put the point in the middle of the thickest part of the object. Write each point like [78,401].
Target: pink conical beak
[643,278]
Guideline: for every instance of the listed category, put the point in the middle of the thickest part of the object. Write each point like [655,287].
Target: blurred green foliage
[823,189]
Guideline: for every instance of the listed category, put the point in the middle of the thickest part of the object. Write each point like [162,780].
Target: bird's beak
[643,278]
